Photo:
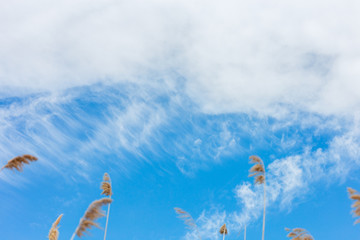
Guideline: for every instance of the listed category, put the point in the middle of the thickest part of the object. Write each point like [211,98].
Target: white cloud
[246,56]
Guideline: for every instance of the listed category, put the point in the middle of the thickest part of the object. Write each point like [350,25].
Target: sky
[171,98]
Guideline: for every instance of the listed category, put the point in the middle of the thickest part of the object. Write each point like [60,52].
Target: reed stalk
[258,171]
[107,191]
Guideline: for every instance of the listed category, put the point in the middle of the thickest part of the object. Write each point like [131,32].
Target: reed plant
[258,171]
[223,230]
[298,234]
[188,220]
[107,191]
[355,195]
[18,162]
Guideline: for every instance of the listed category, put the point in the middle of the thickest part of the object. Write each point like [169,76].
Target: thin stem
[245,232]
[72,237]
[224,235]
[107,215]
[107,220]
[263,230]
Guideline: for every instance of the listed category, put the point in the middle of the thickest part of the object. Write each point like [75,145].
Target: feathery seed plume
[299,234]
[54,230]
[355,195]
[223,229]
[92,213]
[19,161]
[188,220]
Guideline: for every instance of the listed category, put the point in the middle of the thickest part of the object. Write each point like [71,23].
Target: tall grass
[107,191]
[258,171]
[18,162]
[298,234]
[54,230]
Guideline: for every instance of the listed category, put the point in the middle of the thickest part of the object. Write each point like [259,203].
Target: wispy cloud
[292,178]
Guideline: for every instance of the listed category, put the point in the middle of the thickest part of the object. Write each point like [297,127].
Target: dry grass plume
[19,161]
[223,230]
[54,230]
[92,213]
[188,220]
[106,185]
[298,234]
[355,195]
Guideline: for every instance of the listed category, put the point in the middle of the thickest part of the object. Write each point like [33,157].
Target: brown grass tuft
[223,229]
[92,213]
[19,161]
[354,195]
[54,230]
[299,234]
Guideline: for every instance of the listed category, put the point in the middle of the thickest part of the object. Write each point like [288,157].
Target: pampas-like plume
[107,191]
[188,220]
[223,230]
[19,161]
[258,171]
[54,230]
[298,234]
[355,195]
[92,213]
[106,185]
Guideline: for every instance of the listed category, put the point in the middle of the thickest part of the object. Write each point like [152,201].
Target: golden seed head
[106,177]
[299,234]
[223,229]
[258,170]
[54,231]
[19,161]
[186,217]
[92,213]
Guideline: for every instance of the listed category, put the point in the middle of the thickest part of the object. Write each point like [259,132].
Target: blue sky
[171,98]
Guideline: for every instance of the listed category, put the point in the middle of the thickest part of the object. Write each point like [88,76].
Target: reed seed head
[186,217]
[223,229]
[106,185]
[54,230]
[355,195]
[299,234]
[92,213]
[258,170]
[19,161]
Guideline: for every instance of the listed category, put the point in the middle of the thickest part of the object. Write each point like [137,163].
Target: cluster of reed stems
[258,172]
[92,213]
